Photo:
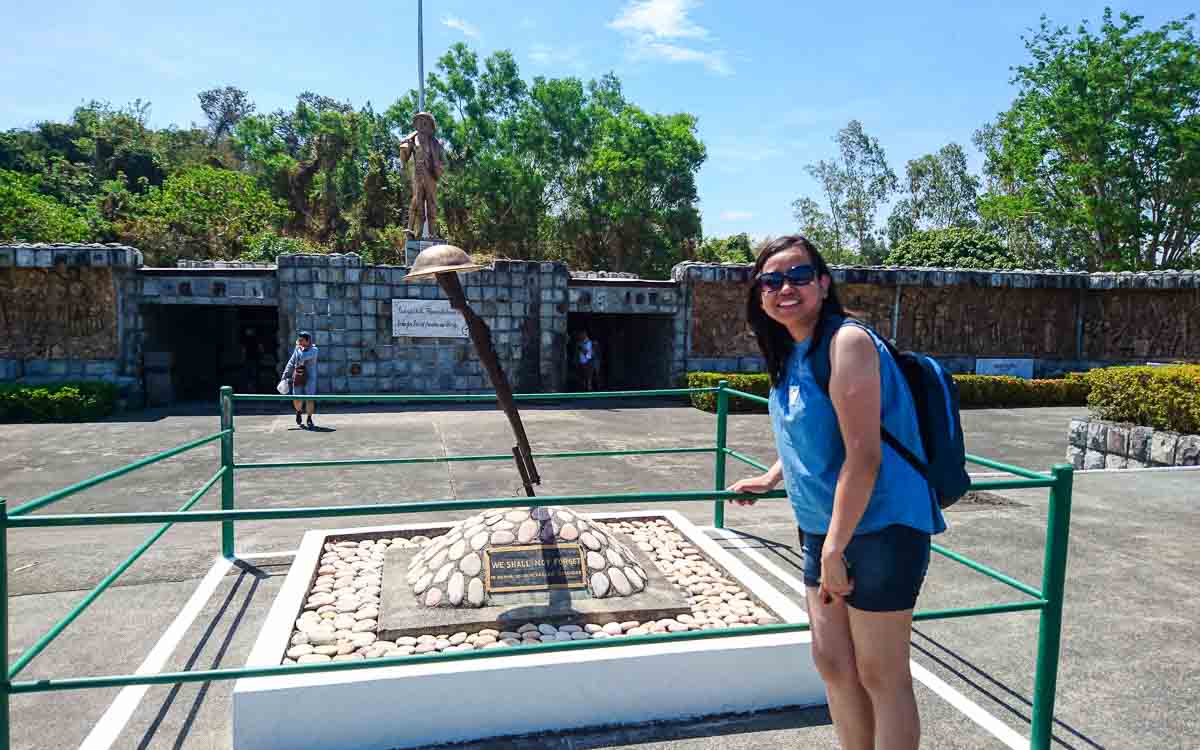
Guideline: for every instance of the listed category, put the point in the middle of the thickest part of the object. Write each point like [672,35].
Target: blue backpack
[935,396]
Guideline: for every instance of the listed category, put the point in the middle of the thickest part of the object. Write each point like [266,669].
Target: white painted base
[423,704]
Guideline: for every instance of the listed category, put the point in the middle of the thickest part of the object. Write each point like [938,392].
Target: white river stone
[475,592]
[456,589]
[599,585]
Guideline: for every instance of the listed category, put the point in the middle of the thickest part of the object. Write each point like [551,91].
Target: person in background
[585,359]
[864,514]
[301,373]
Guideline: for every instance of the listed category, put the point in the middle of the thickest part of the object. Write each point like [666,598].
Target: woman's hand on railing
[757,485]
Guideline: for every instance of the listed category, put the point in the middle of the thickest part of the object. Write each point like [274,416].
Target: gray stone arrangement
[47,255]
[348,307]
[1097,444]
[339,620]
[449,571]
[224,264]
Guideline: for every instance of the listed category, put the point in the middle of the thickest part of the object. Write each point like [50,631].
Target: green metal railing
[1048,600]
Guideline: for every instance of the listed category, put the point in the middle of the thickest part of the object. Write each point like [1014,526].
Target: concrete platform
[1131,622]
[510,693]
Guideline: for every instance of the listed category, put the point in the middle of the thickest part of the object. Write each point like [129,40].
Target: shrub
[1165,398]
[997,391]
[26,215]
[61,402]
[958,247]
[1004,391]
[758,385]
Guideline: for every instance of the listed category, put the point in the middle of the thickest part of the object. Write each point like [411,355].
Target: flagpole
[420,57]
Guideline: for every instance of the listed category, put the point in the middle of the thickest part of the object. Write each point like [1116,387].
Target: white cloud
[663,19]
[714,61]
[455,22]
[736,215]
[653,28]
[565,57]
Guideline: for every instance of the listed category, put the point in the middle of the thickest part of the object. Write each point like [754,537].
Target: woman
[865,515]
[301,373]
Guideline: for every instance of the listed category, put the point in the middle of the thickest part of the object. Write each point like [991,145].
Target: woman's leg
[834,655]
[881,652]
[312,407]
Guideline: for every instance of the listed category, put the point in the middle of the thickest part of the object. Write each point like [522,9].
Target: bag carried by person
[300,375]
[282,387]
[935,396]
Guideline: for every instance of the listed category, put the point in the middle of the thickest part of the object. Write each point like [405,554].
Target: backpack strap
[819,363]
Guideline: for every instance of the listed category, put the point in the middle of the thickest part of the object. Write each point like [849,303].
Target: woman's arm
[761,483]
[855,392]
[291,365]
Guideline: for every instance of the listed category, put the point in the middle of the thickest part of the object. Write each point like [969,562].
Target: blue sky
[771,81]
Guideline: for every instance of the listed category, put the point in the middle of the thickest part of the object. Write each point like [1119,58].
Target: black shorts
[887,567]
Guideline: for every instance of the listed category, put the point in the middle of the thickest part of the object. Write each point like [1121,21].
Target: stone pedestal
[413,248]
[450,583]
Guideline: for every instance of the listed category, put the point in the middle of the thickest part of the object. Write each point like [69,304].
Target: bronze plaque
[534,567]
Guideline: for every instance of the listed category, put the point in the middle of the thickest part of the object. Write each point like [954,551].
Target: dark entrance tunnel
[192,350]
[633,351]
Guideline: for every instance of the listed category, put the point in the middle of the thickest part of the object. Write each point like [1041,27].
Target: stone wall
[1097,444]
[662,354]
[1063,321]
[61,312]
[205,283]
[717,338]
[348,307]
[1127,323]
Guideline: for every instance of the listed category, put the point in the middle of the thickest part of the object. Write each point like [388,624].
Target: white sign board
[427,317]
[1019,368]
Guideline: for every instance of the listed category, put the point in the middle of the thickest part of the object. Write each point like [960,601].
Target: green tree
[735,248]
[957,247]
[203,213]
[940,192]
[557,169]
[821,229]
[224,107]
[869,182]
[26,215]
[855,184]
[1098,158]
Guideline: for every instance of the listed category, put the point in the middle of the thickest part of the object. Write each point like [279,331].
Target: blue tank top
[810,445]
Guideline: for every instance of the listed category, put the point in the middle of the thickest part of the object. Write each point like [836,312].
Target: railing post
[227,500]
[719,468]
[1054,574]
[5,726]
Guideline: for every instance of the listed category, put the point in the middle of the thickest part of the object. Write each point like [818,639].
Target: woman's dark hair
[773,339]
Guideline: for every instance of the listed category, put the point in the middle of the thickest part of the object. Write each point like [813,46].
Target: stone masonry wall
[612,292]
[1097,444]
[1063,321]
[61,311]
[348,307]
[251,285]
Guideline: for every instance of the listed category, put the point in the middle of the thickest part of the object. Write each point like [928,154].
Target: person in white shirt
[585,360]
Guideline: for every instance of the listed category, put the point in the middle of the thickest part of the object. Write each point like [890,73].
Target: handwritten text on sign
[427,317]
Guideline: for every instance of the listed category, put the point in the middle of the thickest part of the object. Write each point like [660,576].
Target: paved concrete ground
[1128,669]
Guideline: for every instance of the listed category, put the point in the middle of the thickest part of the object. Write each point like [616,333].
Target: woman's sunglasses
[796,276]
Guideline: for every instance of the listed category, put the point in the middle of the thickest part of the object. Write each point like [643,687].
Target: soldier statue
[427,155]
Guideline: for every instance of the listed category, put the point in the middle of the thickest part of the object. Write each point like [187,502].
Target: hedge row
[758,385]
[996,391]
[61,402]
[1005,391]
[1165,398]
